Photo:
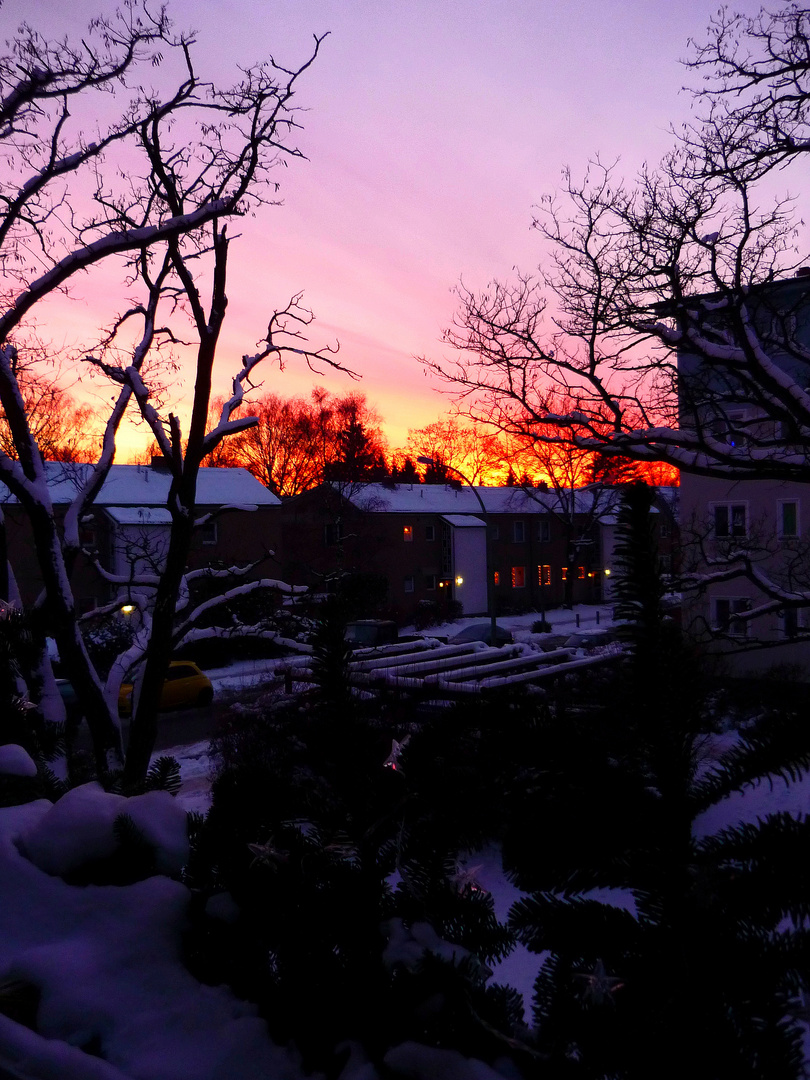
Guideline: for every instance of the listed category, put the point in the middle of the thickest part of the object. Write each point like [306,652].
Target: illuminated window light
[127,609]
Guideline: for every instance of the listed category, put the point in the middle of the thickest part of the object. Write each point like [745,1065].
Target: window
[407,533]
[543,575]
[519,532]
[730,519]
[791,623]
[430,582]
[724,608]
[730,429]
[333,534]
[663,529]
[88,537]
[496,578]
[665,564]
[518,577]
[494,532]
[564,573]
[787,522]
[408,583]
[207,532]
[544,531]
[430,532]
[581,573]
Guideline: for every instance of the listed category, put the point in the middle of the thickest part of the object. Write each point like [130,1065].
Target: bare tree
[298,443]
[196,156]
[469,448]
[668,319]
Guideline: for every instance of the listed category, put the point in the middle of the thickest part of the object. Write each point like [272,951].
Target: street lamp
[493,640]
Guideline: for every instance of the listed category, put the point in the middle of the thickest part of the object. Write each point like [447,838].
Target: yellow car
[185,685]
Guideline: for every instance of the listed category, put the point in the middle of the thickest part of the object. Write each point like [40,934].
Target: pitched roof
[141,485]
[446,499]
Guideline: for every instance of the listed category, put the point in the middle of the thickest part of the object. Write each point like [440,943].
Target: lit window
[581,573]
[544,531]
[518,577]
[564,573]
[430,532]
[730,520]
[788,518]
[519,531]
[407,533]
[543,575]
[724,608]
[408,581]
[496,578]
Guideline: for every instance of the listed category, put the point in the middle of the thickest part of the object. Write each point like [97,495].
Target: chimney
[159,463]
[803,271]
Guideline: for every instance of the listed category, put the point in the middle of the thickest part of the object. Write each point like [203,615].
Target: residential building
[766,520]
[431,543]
[127,527]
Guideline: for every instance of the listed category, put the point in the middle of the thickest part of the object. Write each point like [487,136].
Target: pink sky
[433,128]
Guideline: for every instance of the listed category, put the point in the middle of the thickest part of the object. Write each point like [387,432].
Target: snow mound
[425,1063]
[16,761]
[79,829]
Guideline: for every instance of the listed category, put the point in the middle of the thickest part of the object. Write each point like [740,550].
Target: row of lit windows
[517,577]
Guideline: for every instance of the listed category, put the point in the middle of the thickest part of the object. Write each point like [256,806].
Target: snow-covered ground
[117,1003]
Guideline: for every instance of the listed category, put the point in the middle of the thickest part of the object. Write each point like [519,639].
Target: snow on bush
[79,828]
[16,761]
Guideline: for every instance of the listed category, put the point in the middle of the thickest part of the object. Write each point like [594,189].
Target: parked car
[368,633]
[590,639]
[185,685]
[481,632]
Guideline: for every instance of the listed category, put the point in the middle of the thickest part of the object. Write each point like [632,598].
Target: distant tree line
[300,442]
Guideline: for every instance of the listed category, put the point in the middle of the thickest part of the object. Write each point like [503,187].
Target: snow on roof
[446,499]
[141,485]
[139,515]
[462,521]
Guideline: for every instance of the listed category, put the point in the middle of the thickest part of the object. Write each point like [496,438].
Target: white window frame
[729,507]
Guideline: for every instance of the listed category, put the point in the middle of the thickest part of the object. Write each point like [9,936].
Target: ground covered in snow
[115,1001]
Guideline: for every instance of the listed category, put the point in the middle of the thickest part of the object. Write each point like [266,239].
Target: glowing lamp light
[459,580]
[127,609]
[607,572]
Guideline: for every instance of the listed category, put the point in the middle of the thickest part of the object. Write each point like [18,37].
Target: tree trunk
[143,728]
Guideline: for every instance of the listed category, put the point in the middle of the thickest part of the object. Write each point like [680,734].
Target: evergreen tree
[694,961]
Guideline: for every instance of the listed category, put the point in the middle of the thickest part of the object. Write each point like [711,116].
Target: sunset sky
[433,128]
